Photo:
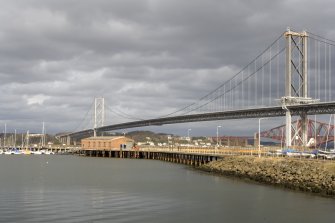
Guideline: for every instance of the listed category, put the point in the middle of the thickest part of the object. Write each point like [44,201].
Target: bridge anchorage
[294,70]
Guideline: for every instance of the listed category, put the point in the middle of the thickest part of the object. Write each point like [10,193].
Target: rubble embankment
[305,175]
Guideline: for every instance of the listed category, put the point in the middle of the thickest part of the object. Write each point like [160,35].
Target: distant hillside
[143,136]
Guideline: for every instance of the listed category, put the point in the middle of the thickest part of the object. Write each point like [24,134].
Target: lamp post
[259,136]
[217,135]
[188,136]
[4,138]
[15,138]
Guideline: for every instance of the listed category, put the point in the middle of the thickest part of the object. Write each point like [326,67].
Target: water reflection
[77,189]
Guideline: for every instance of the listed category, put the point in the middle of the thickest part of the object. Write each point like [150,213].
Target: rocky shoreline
[315,176]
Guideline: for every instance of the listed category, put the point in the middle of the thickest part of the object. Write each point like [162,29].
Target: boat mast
[27,138]
[4,139]
[14,138]
[43,135]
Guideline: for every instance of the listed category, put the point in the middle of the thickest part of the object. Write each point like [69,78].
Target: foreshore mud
[315,176]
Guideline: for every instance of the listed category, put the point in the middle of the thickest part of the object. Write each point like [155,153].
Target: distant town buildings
[159,140]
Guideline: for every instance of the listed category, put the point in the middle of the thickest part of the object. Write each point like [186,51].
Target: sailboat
[26,150]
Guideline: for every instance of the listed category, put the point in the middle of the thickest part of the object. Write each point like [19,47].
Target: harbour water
[88,189]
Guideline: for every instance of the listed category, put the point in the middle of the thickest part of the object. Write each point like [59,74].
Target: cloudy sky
[145,57]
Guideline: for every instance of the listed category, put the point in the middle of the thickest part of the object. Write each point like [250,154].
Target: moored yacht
[49,152]
[38,152]
[26,152]
[8,152]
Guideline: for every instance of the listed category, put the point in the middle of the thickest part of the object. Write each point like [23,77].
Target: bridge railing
[265,151]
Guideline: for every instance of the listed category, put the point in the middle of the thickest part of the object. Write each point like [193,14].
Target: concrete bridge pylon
[99,114]
[296,81]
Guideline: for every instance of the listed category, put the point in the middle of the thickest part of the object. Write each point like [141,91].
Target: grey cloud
[138,54]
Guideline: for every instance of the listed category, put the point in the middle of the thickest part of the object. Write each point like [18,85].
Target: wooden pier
[187,158]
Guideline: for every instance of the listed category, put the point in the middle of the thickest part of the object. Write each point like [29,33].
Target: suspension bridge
[291,77]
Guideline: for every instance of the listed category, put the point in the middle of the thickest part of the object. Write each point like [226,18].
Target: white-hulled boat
[17,152]
[9,152]
[26,152]
[326,154]
[49,153]
[36,152]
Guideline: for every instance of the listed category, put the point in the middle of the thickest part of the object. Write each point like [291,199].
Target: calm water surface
[83,189]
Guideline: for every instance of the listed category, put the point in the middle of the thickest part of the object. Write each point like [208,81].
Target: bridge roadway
[309,109]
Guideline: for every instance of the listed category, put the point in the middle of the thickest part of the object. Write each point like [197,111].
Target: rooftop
[108,138]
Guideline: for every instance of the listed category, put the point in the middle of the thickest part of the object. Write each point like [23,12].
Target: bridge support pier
[288,129]
[304,129]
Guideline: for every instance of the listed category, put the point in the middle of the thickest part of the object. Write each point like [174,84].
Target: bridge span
[296,110]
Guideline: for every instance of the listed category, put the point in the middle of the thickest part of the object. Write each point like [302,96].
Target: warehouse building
[107,143]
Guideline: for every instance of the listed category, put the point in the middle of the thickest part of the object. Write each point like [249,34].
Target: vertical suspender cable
[262,81]
[325,72]
[319,70]
[319,63]
[270,78]
[330,71]
[315,70]
[224,97]
[278,61]
[256,101]
[231,96]
[242,97]
[248,87]
[236,94]
[221,98]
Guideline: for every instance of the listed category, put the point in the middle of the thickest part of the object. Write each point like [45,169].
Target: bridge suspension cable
[253,85]
[122,114]
[241,97]
[239,83]
[87,118]
[87,122]
[320,67]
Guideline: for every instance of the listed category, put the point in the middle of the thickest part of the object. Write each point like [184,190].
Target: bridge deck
[309,109]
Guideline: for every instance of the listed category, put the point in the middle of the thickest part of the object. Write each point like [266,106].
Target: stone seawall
[304,175]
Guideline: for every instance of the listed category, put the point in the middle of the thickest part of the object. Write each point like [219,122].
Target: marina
[37,151]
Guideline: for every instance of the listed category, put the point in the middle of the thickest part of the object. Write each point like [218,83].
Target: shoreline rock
[313,176]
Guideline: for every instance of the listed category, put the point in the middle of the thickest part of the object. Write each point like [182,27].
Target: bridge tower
[296,81]
[99,114]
